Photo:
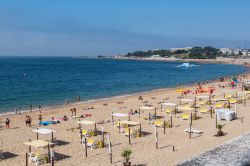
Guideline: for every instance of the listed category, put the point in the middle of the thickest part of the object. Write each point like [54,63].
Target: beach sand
[71,152]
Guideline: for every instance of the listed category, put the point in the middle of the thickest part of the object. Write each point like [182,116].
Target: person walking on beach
[40,120]
[7,122]
[28,120]
[39,108]
[30,108]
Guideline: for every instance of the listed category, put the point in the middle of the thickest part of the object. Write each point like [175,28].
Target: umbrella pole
[80,126]
[164,127]
[129,139]
[85,144]
[52,161]
[29,146]
[216,120]
[171,120]
[26,159]
[49,153]
[149,117]
[190,127]
[37,135]
[52,137]
[102,136]
[112,118]
[156,138]
[110,149]
[81,134]
[139,112]
[155,113]
[211,112]
[95,133]
[140,131]
[119,126]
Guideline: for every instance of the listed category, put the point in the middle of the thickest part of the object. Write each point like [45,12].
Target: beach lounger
[168,111]
[161,124]
[228,96]
[219,105]
[202,102]
[88,133]
[204,110]
[116,124]
[195,131]
[133,133]
[233,100]
[185,116]
[91,143]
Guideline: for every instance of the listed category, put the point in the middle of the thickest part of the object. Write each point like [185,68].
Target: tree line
[193,53]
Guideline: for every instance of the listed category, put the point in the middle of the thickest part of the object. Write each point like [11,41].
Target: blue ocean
[48,81]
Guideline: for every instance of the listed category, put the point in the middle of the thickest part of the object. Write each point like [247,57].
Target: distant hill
[192,53]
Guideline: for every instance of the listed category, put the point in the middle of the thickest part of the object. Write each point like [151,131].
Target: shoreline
[57,106]
[244,62]
[132,94]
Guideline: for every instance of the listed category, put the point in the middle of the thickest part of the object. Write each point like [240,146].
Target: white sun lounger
[195,131]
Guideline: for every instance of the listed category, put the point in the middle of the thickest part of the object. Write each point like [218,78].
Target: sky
[113,27]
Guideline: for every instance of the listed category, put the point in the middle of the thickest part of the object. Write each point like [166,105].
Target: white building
[155,56]
[184,48]
[245,52]
[230,51]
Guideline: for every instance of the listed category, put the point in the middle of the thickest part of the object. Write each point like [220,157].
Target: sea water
[48,81]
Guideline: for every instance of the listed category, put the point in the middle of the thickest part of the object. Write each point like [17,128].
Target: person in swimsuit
[7,122]
[40,120]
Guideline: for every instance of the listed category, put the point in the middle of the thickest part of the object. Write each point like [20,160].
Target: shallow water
[50,80]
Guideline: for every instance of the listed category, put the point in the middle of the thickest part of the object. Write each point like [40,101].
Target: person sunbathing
[65,118]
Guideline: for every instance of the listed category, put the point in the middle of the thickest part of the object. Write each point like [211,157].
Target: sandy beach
[72,152]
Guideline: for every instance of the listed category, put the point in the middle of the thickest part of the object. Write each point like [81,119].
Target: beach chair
[185,116]
[219,105]
[91,143]
[116,124]
[232,100]
[202,102]
[91,133]
[133,133]
[85,133]
[227,96]
[204,110]
[126,132]
[145,117]
[88,133]
[168,111]
[195,131]
[159,123]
